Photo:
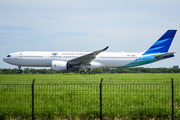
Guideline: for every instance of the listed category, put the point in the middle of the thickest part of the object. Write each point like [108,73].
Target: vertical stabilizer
[162,45]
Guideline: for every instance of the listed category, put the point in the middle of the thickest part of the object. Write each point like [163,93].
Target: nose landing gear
[20,70]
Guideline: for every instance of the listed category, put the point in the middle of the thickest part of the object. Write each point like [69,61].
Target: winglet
[162,44]
[105,48]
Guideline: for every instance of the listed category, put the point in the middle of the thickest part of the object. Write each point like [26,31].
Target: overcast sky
[87,25]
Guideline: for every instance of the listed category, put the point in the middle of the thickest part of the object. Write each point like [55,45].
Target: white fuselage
[44,59]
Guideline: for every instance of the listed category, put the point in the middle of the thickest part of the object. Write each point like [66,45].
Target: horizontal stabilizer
[170,54]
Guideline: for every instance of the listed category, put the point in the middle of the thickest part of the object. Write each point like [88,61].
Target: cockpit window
[9,56]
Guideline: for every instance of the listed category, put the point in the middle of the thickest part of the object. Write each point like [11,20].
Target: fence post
[172,99]
[33,118]
[101,98]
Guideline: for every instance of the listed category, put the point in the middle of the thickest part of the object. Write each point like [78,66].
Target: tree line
[98,70]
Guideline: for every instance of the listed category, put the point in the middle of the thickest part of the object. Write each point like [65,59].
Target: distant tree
[6,71]
[98,70]
[106,70]
[14,71]
[26,70]
[1,70]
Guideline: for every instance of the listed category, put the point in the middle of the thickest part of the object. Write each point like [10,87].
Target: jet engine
[59,65]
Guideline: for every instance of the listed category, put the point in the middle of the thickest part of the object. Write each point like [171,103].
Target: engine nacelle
[59,65]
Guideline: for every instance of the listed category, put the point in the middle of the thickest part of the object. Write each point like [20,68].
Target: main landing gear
[87,72]
[20,70]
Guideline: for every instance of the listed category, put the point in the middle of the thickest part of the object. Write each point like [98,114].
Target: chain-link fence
[90,101]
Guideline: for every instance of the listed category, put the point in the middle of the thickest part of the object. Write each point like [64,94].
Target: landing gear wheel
[19,71]
[82,72]
[92,72]
[88,72]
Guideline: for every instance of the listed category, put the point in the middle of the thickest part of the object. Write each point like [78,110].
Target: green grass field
[77,78]
[75,96]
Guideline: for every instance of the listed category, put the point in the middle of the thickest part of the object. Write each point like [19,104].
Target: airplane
[61,61]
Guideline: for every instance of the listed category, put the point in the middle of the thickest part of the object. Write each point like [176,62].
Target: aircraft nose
[5,59]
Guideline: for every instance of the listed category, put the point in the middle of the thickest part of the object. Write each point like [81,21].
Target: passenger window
[9,56]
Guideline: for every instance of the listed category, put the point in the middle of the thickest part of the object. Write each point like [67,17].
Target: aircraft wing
[163,55]
[85,59]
